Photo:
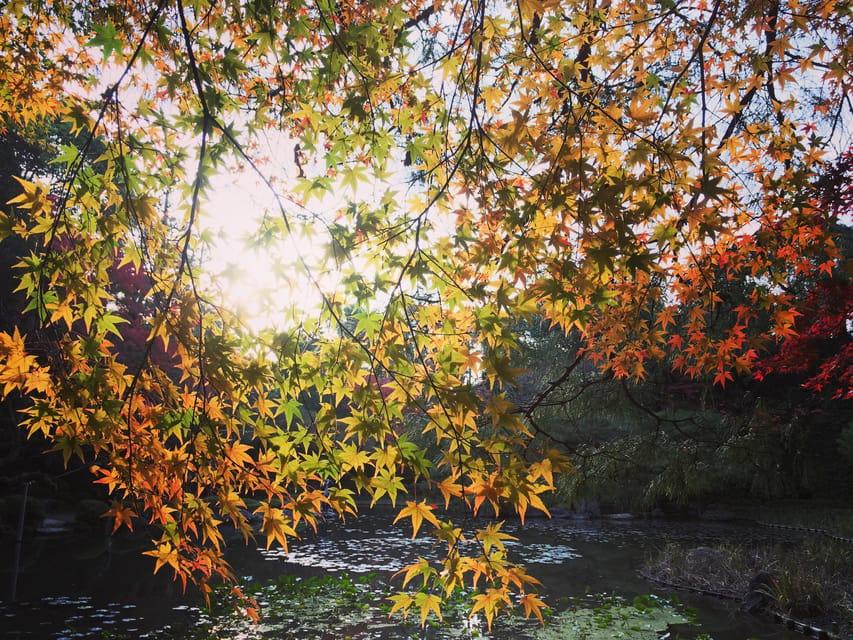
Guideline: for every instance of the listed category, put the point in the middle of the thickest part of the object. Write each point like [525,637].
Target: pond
[333,584]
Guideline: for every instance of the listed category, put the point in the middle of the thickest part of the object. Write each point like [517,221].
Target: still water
[71,588]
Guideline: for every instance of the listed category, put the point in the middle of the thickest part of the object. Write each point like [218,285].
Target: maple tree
[606,165]
[822,349]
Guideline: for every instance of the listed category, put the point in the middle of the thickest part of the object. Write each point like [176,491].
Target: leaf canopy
[607,166]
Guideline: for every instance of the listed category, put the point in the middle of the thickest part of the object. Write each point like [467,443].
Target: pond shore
[804,581]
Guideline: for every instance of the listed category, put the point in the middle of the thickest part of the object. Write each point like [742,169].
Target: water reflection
[337,548]
[67,592]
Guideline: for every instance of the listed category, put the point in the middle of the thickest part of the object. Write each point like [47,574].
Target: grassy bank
[811,582]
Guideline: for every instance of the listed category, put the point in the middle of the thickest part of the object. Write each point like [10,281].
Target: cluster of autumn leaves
[614,168]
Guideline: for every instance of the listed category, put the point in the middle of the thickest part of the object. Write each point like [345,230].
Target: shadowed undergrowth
[812,581]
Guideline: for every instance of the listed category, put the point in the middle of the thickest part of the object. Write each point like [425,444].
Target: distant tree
[821,351]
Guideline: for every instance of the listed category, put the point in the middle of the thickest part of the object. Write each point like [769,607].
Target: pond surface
[101,587]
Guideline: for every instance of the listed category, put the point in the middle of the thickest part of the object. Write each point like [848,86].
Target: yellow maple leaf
[275,525]
[532,604]
[449,488]
[418,512]
[419,568]
[491,602]
[493,537]
[165,553]
[353,458]
[34,197]
[428,602]
[402,602]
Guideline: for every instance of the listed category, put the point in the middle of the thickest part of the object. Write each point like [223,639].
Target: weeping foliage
[464,165]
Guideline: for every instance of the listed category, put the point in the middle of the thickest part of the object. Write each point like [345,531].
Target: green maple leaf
[386,482]
[291,410]
[107,39]
[369,323]
[107,323]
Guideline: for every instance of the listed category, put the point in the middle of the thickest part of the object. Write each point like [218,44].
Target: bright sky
[266,283]
[267,286]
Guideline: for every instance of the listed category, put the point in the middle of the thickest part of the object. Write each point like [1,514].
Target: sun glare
[265,275]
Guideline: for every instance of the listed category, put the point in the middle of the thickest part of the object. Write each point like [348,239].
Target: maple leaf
[230,503]
[492,601]
[107,322]
[275,525]
[35,198]
[353,457]
[498,406]
[369,323]
[17,366]
[533,605]
[492,537]
[498,369]
[386,482]
[402,602]
[450,534]
[123,516]
[666,317]
[419,568]
[69,445]
[427,602]
[449,489]
[542,469]
[417,512]
[107,38]
[487,489]
[165,554]
[238,453]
